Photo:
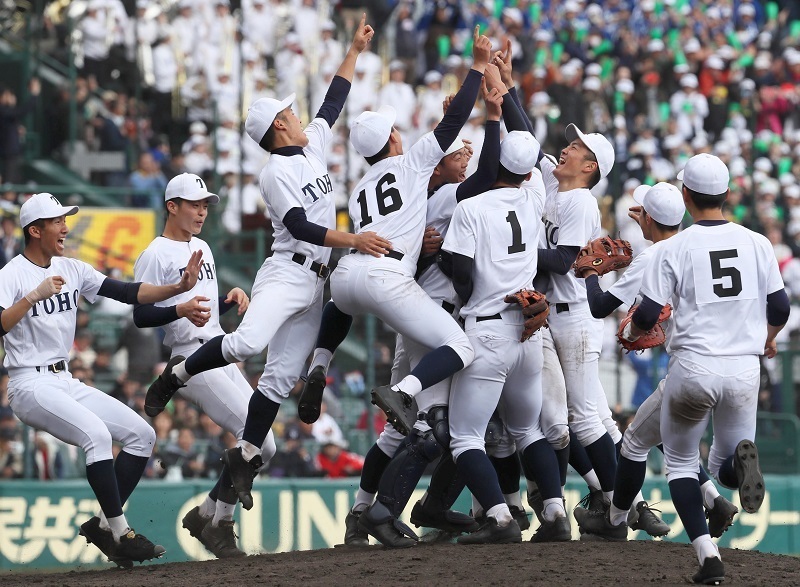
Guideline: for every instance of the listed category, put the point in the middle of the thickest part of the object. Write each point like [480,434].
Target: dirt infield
[576,563]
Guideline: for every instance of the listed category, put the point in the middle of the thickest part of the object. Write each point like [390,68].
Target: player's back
[506,223]
[391,198]
[721,275]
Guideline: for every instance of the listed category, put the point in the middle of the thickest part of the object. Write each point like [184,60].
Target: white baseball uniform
[391,201]
[718,278]
[499,230]
[286,303]
[572,218]
[221,393]
[41,391]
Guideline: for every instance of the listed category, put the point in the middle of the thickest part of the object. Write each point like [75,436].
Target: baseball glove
[534,307]
[603,255]
[652,338]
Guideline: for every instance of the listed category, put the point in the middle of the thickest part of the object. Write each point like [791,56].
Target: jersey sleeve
[578,222]
[549,180]
[774,278]
[660,279]
[147,268]
[91,280]
[319,136]
[627,287]
[282,190]
[424,155]
[9,288]
[460,237]
[442,203]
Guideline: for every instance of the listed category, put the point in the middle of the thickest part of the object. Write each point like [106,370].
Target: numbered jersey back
[721,276]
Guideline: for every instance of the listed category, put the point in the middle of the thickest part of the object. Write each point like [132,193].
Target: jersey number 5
[387,197]
[720,272]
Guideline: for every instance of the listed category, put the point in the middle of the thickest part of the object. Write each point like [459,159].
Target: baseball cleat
[242,473]
[493,533]
[221,540]
[136,547]
[194,522]
[388,530]
[436,536]
[748,473]
[648,521]
[598,525]
[353,535]
[104,540]
[448,520]
[162,389]
[711,573]
[536,501]
[310,403]
[557,530]
[720,517]
[594,501]
[521,516]
[398,407]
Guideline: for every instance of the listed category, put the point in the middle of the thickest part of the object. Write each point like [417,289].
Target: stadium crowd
[168,82]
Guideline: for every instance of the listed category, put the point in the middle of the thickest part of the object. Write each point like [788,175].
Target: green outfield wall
[39,520]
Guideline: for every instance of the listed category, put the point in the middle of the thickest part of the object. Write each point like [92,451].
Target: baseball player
[39,291]
[729,303]
[573,341]
[493,239]
[397,479]
[390,199]
[221,393]
[287,294]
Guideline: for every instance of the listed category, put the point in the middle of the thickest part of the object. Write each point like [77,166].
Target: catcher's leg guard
[405,469]
[436,418]
[446,484]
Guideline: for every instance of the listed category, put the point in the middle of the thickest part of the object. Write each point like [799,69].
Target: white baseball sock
[591,480]
[363,500]
[409,385]
[710,493]
[249,450]
[513,499]
[119,526]
[554,508]
[617,516]
[179,371]
[322,357]
[501,513]
[224,511]
[705,548]
[208,507]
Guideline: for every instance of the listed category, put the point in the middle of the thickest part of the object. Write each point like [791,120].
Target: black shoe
[711,573]
[594,501]
[398,407]
[136,547]
[102,539]
[493,533]
[536,501]
[720,517]
[221,540]
[521,516]
[242,473]
[194,522]
[748,473]
[310,403]
[162,389]
[556,531]
[648,521]
[387,530]
[353,535]
[447,520]
[598,524]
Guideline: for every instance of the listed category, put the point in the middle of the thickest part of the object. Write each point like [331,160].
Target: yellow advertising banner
[110,238]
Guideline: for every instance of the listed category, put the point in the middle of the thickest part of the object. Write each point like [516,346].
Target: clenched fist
[49,287]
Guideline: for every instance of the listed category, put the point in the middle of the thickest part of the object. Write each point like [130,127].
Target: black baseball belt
[317,268]
[55,367]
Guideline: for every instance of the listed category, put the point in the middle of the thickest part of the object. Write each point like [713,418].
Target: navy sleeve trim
[778,308]
[646,315]
[601,303]
[300,228]
[122,291]
[462,276]
[334,100]
[225,306]
[558,260]
[151,316]
[457,114]
[488,165]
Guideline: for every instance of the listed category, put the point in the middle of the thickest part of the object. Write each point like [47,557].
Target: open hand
[192,271]
[237,296]
[372,244]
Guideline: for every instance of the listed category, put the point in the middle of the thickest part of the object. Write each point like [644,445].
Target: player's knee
[97,445]
[557,435]
[236,348]
[459,446]
[142,439]
[465,352]
[388,441]
[632,449]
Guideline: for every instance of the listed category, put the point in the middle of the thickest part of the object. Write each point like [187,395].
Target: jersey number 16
[387,197]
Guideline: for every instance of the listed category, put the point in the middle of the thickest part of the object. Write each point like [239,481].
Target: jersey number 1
[388,199]
[517,246]
[719,272]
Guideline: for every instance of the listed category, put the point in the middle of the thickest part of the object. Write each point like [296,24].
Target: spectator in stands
[11,131]
[292,459]
[10,457]
[182,456]
[10,243]
[336,462]
[95,34]
[48,460]
[149,183]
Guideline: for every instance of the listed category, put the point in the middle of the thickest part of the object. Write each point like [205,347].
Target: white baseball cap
[371,130]
[663,202]
[189,186]
[455,146]
[597,144]
[705,174]
[43,206]
[519,152]
[262,113]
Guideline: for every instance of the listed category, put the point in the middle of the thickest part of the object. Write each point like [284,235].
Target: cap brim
[212,198]
[286,102]
[572,132]
[679,177]
[639,193]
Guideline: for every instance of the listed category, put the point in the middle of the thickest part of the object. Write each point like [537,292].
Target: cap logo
[55,200]
[200,181]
